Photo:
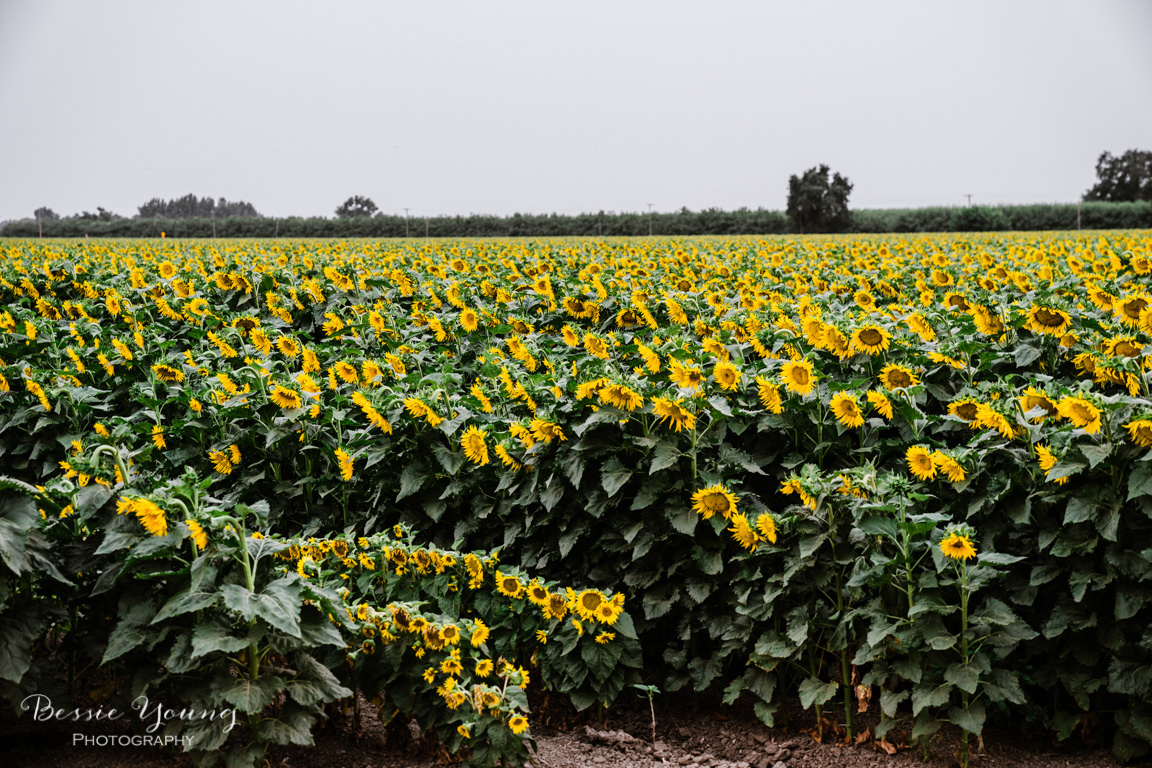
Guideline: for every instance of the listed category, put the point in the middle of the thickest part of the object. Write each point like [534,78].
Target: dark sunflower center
[716,502]
[899,379]
[871,336]
[1049,318]
[800,375]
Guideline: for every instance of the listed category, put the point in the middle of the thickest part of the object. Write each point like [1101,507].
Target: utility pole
[41,224]
[213,223]
[969,200]
[649,219]
[405,222]
[425,226]
[1077,215]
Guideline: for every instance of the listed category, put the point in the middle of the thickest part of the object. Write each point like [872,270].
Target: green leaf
[1026,354]
[315,683]
[970,718]
[613,476]
[1140,481]
[683,519]
[1079,509]
[929,696]
[278,603]
[18,518]
[1095,453]
[665,455]
[766,712]
[129,633]
[966,677]
[185,602]
[815,691]
[249,695]
[21,628]
[878,525]
[212,636]
[411,479]
[890,700]
[449,459]
[733,691]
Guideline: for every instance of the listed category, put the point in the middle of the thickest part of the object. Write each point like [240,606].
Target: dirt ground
[684,739]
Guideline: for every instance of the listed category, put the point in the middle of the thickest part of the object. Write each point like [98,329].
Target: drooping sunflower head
[475,448]
[715,499]
[285,398]
[469,320]
[1047,320]
[746,536]
[1081,412]
[965,409]
[920,462]
[766,527]
[557,606]
[1123,346]
[1035,398]
[168,373]
[1129,308]
[674,413]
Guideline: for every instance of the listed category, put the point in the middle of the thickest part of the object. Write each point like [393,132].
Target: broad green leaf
[970,718]
[815,691]
[613,476]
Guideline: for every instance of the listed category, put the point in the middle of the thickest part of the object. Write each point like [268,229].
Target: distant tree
[356,206]
[816,204]
[192,207]
[45,214]
[1127,178]
[100,215]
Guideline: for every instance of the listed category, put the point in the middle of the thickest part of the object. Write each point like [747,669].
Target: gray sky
[497,107]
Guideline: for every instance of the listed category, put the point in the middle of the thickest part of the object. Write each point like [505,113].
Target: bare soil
[684,739]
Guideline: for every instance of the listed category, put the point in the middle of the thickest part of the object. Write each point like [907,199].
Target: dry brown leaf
[887,746]
[863,697]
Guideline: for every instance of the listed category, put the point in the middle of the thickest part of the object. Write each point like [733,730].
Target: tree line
[1091,215]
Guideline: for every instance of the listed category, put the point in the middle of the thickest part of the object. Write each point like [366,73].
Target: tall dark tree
[356,206]
[1123,179]
[191,207]
[817,204]
[45,214]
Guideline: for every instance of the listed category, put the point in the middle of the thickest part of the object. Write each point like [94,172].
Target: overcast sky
[497,107]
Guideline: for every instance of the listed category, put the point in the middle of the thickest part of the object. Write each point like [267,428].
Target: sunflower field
[904,471]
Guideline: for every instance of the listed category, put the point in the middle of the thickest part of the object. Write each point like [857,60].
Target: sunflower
[897,377]
[518,724]
[686,376]
[1047,461]
[168,374]
[347,372]
[987,321]
[846,408]
[769,395]
[538,594]
[199,537]
[881,403]
[595,346]
[546,431]
[990,418]
[1053,322]
[346,462]
[953,300]
[1035,398]
[744,533]
[675,414]
[220,462]
[479,635]
[965,409]
[158,437]
[949,467]
[571,338]
[607,612]
[766,527]
[509,585]
[484,668]
[1129,308]
[288,346]
[621,397]
[1123,346]
[726,375]
[920,462]
[557,607]
[587,602]
[150,516]
[475,449]
[1140,432]
[1080,412]
[798,376]
[469,320]
[716,498]
[285,398]
[871,339]
[957,547]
